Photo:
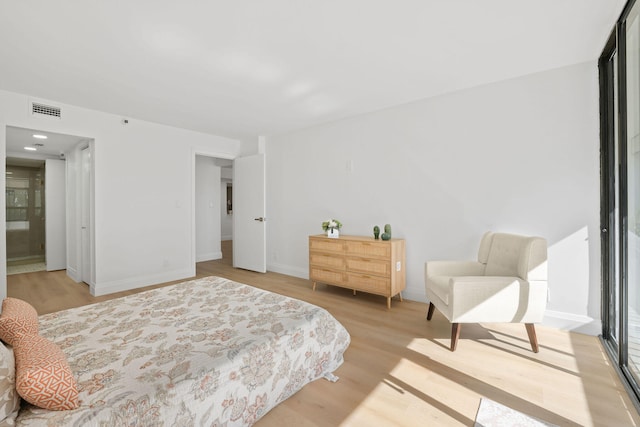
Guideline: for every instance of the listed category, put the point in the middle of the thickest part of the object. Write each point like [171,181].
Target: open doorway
[248,232]
[213,213]
[43,171]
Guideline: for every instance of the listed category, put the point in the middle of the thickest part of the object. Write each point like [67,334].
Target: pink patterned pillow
[18,317]
[43,376]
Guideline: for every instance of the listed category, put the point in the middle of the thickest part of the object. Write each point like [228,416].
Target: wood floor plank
[399,371]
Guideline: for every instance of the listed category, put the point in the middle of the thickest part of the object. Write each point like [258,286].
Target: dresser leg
[314,286]
[389,303]
[400,293]
[354,291]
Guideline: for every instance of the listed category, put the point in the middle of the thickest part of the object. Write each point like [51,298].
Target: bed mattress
[204,352]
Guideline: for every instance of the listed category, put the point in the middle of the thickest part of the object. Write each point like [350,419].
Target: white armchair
[508,284]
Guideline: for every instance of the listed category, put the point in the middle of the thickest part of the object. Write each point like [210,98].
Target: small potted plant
[332,227]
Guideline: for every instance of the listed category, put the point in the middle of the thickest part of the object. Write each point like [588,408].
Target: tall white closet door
[55,214]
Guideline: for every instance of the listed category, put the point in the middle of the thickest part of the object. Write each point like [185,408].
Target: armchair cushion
[439,272]
[487,299]
[453,268]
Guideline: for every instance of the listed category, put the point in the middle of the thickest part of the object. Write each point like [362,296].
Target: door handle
[261,219]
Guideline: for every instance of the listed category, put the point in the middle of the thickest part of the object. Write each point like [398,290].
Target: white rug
[493,414]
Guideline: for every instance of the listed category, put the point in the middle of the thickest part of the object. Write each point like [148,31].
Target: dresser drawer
[369,249]
[325,260]
[368,283]
[378,267]
[326,245]
[326,276]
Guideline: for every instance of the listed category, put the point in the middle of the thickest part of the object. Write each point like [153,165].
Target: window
[619,67]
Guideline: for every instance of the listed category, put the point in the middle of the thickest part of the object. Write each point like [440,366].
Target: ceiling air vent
[39,109]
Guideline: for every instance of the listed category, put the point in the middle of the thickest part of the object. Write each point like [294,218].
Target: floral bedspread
[207,352]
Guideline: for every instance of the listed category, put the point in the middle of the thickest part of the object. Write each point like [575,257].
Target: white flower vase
[333,233]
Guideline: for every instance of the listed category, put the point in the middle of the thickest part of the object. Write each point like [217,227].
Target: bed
[204,352]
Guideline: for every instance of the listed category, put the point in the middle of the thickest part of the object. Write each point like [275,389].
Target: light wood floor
[398,370]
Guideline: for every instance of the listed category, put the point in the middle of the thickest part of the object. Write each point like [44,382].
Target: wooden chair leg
[455,334]
[430,312]
[531,331]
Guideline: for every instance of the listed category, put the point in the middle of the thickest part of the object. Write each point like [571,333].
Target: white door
[55,214]
[249,228]
[85,217]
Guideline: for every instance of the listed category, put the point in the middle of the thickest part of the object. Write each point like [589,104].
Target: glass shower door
[24,201]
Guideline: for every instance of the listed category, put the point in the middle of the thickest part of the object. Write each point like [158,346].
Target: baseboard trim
[572,322]
[209,257]
[139,282]
[288,270]
[73,274]
[414,296]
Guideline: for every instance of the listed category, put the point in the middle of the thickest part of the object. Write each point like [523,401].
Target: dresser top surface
[353,238]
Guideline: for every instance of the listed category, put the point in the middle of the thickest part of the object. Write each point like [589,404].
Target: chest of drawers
[359,263]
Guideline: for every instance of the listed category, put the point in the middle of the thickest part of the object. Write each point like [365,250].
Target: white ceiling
[246,68]
[56,143]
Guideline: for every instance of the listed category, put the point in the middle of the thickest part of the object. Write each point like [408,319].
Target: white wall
[515,156]
[144,194]
[207,209]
